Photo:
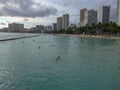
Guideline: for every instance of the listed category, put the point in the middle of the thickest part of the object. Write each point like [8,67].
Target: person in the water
[58,58]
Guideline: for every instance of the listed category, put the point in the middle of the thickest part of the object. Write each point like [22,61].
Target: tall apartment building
[48,28]
[85,22]
[39,28]
[59,23]
[92,17]
[65,21]
[118,12]
[88,17]
[15,27]
[82,16]
[54,27]
[103,14]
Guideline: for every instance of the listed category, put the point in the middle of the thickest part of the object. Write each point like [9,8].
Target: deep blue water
[85,64]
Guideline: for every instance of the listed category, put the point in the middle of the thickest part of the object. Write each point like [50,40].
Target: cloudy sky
[33,12]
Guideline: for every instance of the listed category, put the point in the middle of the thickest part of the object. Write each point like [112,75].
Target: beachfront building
[59,23]
[82,17]
[92,17]
[48,28]
[15,27]
[85,18]
[118,12]
[65,21]
[4,30]
[39,28]
[54,28]
[103,15]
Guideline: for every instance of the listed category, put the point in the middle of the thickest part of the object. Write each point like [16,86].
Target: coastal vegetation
[94,29]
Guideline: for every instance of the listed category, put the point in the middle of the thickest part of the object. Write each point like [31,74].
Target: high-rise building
[39,28]
[103,14]
[4,30]
[85,22]
[82,16]
[48,28]
[118,12]
[65,21]
[59,23]
[54,26]
[15,27]
[92,17]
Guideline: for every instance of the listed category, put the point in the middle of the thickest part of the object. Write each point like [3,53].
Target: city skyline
[45,12]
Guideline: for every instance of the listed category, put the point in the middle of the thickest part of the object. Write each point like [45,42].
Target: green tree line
[100,28]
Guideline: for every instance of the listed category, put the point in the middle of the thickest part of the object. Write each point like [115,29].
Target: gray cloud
[26,19]
[25,8]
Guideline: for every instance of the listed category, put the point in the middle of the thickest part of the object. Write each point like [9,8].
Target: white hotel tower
[118,12]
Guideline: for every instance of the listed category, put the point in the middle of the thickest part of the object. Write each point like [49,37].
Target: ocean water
[84,64]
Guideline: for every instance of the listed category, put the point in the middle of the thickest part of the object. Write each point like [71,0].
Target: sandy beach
[93,36]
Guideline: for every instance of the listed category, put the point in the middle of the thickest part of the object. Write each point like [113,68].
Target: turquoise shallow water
[85,64]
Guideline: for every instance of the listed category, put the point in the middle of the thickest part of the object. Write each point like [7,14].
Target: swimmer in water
[39,47]
[58,58]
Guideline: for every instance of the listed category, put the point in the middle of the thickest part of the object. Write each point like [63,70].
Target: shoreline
[92,36]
